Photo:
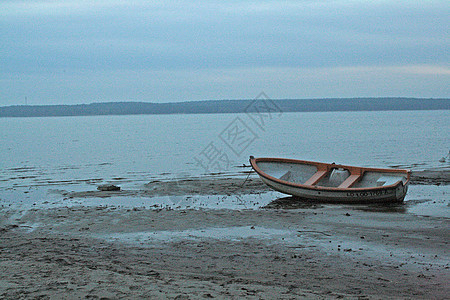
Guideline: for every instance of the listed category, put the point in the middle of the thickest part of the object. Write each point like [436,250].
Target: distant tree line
[226,106]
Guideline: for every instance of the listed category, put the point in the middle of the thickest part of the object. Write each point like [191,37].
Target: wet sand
[436,177]
[281,251]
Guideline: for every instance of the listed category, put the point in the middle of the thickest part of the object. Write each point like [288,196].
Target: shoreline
[284,251]
[218,185]
[225,106]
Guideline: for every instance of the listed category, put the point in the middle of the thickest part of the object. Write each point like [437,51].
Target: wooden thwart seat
[352,179]
[316,177]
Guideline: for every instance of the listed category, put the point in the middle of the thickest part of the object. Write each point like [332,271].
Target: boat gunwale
[362,170]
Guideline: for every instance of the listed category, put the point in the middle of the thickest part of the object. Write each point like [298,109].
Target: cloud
[88,86]
[44,38]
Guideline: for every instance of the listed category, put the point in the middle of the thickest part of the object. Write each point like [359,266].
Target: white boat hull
[396,194]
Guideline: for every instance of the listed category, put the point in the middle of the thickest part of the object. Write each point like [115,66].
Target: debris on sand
[108,187]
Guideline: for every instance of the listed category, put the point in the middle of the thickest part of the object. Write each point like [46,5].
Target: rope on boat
[245,181]
[250,172]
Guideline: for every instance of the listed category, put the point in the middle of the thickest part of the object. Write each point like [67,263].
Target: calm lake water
[74,153]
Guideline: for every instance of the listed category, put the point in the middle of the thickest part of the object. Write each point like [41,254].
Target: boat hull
[388,195]
[309,180]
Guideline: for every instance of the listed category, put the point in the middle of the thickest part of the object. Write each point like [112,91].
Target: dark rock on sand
[108,187]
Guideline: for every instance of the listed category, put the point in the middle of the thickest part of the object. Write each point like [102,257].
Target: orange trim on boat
[316,177]
[351,180]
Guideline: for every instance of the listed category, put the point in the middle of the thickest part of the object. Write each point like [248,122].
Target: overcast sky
[66,52]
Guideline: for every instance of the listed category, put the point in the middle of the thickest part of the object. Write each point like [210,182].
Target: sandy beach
[284,250]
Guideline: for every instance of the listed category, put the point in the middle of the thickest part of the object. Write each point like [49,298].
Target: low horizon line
[248,99]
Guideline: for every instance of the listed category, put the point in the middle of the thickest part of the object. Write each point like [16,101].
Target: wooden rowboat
[332,182]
